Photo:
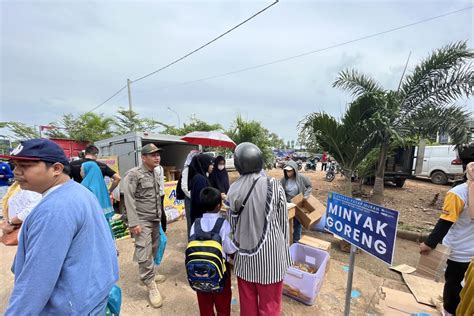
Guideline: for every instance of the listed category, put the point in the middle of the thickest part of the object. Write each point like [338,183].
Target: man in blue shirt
[66,262]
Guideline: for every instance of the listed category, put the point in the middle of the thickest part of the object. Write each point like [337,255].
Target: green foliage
[129,121]
[442,78]
[20,130]
[88,127]
[252,131]
[424,103]
[348,140]
[195,125]
[357,83]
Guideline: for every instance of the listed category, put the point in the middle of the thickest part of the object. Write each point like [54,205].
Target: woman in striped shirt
[259,221]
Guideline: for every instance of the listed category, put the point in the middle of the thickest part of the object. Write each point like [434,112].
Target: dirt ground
[179,299]
[412,201]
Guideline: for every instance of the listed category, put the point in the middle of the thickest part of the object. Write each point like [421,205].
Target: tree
[87,127]
[129,121]
[275,141]
[252,131]
[195,125]
[348,140]
[431,89]
[20,130]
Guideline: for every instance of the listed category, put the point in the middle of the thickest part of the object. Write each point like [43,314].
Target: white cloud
[60,57]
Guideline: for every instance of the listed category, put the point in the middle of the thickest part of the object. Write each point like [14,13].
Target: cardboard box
[315,242]
[308,211]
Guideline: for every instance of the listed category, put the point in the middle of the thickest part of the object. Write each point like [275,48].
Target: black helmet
[248,158]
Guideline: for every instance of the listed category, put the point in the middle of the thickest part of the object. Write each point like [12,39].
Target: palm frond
[357,83]
[443,77]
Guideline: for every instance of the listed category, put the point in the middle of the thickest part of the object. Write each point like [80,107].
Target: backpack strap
[247,197]
[217,226]
[197,227]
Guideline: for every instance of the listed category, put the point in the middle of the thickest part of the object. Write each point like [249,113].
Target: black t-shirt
[76,169]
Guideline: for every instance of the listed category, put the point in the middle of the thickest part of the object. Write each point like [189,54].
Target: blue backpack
[205,264]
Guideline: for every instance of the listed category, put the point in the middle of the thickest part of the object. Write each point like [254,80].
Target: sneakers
[154,295]
[159,278]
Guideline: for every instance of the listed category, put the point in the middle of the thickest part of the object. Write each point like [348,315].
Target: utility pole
[129,95]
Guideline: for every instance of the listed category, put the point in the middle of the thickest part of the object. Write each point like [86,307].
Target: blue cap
[40,149]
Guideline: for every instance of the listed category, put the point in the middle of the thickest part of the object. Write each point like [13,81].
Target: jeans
[297,230]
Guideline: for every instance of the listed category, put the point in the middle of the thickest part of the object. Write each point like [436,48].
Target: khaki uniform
[143,205]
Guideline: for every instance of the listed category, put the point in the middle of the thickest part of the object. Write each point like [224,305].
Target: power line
[207,44]
[187,55]
[113,95]
[314,51]
[275,61]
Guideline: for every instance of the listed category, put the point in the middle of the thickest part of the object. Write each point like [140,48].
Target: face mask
[220,167]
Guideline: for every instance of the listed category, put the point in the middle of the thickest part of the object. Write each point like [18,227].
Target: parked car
[440,163]
[229,162]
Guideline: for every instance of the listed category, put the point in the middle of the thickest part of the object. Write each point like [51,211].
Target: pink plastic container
[304,286]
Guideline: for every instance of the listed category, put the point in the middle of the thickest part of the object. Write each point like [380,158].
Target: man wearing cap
[66,262]
[143,205]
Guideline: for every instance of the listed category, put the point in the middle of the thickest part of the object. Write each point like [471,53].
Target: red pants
[221,301]
[260,299]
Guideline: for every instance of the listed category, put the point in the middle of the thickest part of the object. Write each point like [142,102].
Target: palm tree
[348,140]
[422,104]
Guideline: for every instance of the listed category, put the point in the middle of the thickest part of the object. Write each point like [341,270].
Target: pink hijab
[470,188]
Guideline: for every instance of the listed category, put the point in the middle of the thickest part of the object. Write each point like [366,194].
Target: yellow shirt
[466,306]
[460,237]
[12,190]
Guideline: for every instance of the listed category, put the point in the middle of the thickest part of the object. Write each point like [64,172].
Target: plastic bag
[161,248]
[115,302]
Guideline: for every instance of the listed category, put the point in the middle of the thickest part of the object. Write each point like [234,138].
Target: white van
[440,163]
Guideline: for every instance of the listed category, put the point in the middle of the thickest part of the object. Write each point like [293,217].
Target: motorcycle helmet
[248,158]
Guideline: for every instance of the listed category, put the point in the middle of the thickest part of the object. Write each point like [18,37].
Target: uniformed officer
[143,206]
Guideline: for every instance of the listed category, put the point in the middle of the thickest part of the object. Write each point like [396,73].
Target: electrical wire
[187,55]
[314,51]
[110,98]
[207,44]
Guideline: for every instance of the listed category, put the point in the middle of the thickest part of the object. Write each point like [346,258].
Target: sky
[61,57]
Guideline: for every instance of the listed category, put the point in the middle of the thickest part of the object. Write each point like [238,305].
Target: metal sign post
[369,227]
[347,308]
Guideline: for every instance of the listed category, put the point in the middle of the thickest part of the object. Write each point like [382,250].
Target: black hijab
[199,165]
[219,178]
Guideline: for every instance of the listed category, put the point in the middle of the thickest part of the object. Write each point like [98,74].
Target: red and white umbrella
[210,139]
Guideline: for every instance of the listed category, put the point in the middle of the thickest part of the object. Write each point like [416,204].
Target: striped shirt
[271,261]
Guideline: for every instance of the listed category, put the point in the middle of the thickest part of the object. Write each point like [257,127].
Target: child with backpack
[206,256]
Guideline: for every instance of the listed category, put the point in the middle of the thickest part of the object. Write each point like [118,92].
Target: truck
[128,147]
[72,148]
[399,166]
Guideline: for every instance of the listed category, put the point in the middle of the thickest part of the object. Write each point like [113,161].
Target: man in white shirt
[160,174]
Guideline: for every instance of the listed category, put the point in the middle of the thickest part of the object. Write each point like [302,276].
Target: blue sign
[370,227]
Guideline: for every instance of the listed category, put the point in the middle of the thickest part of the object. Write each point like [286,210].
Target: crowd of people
[66,245]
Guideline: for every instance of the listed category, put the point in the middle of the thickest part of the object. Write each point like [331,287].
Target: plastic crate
[304,286]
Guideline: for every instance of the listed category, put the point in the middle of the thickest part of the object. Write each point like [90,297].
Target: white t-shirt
[208,221]
[460,237]
[160,173]
[22,203]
